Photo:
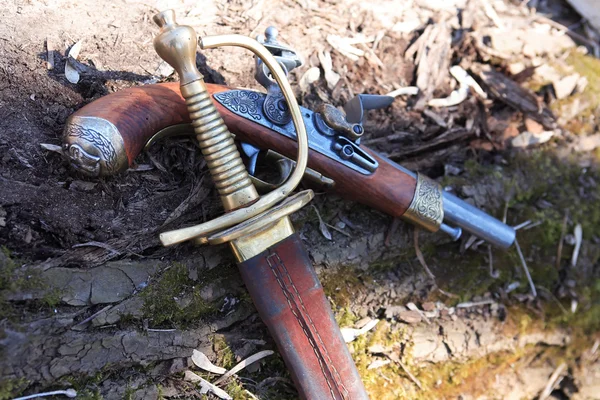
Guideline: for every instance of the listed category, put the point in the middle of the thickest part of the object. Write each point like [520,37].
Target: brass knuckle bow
[247,212]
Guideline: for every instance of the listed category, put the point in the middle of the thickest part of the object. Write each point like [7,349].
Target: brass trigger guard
[270,199]
[284,165]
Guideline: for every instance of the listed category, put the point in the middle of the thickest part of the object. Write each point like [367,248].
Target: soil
[90,300]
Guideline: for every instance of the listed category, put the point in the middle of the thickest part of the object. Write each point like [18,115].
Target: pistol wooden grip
[291,302]
[138,113]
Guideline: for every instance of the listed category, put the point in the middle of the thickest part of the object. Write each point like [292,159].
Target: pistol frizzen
[105,136]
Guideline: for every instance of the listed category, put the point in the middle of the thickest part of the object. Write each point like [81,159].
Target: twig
[563,232]
[552,381]
[470,304]
[578,239]
[391,231]
[522,225]
[71,393]
[553,297]
[112,250]
[569,32]
[91,317]
[413,378]
[335,228]
[424,264]
[493,273]
[524,264]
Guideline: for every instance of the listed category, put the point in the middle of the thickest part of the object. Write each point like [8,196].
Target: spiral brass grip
[253,223]
[177,46]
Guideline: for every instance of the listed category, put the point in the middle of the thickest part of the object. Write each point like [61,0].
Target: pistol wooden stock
[138,113]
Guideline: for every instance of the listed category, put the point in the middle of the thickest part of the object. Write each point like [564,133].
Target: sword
[271,258]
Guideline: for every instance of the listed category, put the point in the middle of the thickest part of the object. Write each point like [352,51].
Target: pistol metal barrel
[471,219]
[466,217]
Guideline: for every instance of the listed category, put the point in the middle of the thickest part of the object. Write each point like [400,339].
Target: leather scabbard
[291,302]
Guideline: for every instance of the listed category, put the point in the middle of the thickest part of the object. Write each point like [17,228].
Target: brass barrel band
[427,207]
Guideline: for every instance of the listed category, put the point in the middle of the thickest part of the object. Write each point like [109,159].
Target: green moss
[345,317]
[225,356]
[236,390]
[341,286]
[589,67]
[14,279]
[163,304]
[11,388]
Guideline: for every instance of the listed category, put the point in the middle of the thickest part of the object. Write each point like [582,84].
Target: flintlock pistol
[104,137]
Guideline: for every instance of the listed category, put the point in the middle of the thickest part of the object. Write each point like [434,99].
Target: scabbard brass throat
[427,207]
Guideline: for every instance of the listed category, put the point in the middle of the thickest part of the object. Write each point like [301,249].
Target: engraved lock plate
[249,105]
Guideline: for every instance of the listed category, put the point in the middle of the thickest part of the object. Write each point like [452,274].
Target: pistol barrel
[468,218]
[471,219]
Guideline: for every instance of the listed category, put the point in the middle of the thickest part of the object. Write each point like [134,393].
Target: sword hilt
[247,212]
[177,44]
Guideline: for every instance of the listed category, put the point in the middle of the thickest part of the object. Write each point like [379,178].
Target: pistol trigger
[252,152]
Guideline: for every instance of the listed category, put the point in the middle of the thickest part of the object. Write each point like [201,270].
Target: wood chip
[49,54]
[433,60]
[528,139]
[533,126]
[410,317]
[331,77]
[308,78]
[509,92]
[343,46]
[566,86]
[201,361]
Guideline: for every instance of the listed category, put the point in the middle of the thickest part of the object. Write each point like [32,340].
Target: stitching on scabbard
[324,359]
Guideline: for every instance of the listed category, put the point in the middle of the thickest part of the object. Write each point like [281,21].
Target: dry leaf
[244,363]
[206,386]
[322,226]
[51,147]
[378,364]
[308,78]
[331,77]
[71,72]
[202,362]
[349,334]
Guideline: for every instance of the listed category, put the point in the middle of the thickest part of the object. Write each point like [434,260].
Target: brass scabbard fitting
[252,223]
